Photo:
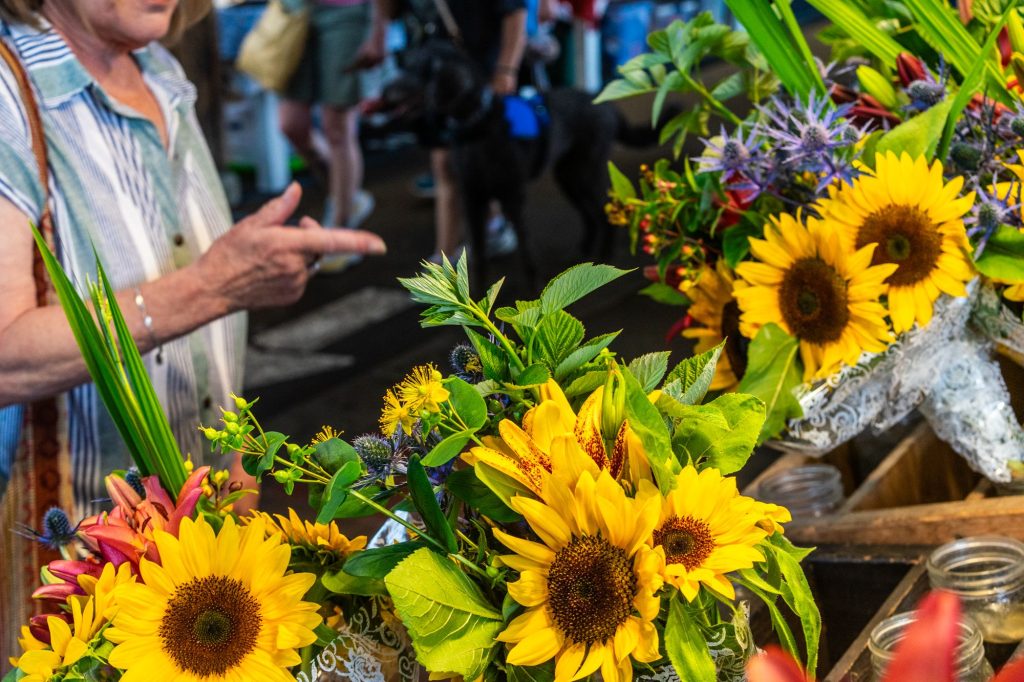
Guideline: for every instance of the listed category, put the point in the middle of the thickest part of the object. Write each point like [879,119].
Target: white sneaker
[501,238]
[362,208]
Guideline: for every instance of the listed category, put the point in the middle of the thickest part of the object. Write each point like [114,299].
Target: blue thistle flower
[990,211]
[466,364]
[929,91]
[133,478]
[734,155]
[57,530]
[377,453]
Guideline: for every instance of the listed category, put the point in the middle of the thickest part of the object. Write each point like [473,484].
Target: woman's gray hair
[187,13]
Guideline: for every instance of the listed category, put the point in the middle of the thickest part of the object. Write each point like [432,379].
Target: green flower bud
[240,402]
[232,428]
[211,433]
[878,86]
[229,416]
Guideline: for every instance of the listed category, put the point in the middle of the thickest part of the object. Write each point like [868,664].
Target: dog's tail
[643,135]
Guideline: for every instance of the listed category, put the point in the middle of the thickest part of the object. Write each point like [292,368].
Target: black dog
[449,97]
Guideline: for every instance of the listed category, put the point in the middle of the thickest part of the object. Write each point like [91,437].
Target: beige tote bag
[272,50]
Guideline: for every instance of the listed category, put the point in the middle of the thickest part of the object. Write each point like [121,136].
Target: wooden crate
[921,493]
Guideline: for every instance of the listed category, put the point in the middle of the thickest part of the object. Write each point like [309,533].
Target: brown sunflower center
[686,541]
[905,236]
[591,586]
[813,301]
[210,625]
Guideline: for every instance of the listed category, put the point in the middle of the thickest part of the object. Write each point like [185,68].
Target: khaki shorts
[324,75]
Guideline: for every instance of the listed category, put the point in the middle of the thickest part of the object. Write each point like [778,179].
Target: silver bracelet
[147,321]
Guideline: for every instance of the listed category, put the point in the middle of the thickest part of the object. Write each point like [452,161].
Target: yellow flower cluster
[316,537]
[421,392]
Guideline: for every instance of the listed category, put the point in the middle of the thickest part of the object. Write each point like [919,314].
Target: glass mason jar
[970,664]
[987,573]
[807,491]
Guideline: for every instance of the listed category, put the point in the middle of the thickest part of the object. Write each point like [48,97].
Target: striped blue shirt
[147,209]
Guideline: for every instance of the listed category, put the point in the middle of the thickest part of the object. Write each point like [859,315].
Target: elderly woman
[128,173]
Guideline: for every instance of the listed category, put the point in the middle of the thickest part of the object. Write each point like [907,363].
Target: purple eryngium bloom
[990,211]
[734,155]
[929,91]
[811,137]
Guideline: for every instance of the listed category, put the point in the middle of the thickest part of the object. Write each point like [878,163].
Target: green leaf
[337,490]
[779,624]
[722,433]
[796,33]
[423,498]
[736,243]
[467,402]
[14,675]
[492,358]
[773,40]
[647,423]
[846,16]
[447,450]
[534,375]
[941,28]
[621,185]
[773,372]
[354,508]
[340,582]
[686,646]
[663,293]
[586,384]
[533,673]
[379,561]
[1003,257]
[918,136]
[797,594]
[973,81]
[558,335]
[465,485]
[649,369]
[575,283]
[583,355]
[452,626]
[689,382]
[730,87]
[619,89]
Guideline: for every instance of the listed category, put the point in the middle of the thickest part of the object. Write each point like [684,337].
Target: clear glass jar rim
[977,565]
[890,632]
[809,486]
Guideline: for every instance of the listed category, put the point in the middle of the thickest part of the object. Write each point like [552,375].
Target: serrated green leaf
[690,380]
[646,422]
[723,433]
[773,372]
[649,369]
[575,283]
[686,645]
[452,626]
[467,486]
[491,357]
[583,355]
[379,561]
[586,384]
[796,592]
[425,501]
[534,375]
[558,335]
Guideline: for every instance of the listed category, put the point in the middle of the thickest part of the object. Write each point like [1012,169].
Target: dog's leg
[513,209]
[587,194]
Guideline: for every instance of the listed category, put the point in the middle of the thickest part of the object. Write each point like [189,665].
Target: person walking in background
[329,76]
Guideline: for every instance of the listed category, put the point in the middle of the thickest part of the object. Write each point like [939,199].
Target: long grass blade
[797,34]
[773,40]
[857,25]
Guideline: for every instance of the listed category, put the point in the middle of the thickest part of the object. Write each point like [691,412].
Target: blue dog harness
[527,117]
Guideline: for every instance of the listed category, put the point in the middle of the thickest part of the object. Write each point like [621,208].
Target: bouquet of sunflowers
[563,514]
[856,239]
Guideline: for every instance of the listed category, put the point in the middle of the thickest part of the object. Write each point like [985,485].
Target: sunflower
[807,285]
[715,310]
[917,222]
[216,607]
[707,530]
[590,587]
[555,439]
[315,537]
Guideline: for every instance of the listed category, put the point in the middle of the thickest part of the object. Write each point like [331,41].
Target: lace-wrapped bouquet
[855,241]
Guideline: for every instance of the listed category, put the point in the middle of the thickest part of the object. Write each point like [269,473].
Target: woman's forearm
[513,40]
[39,356]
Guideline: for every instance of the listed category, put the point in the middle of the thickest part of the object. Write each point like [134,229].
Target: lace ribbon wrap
[946,369]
